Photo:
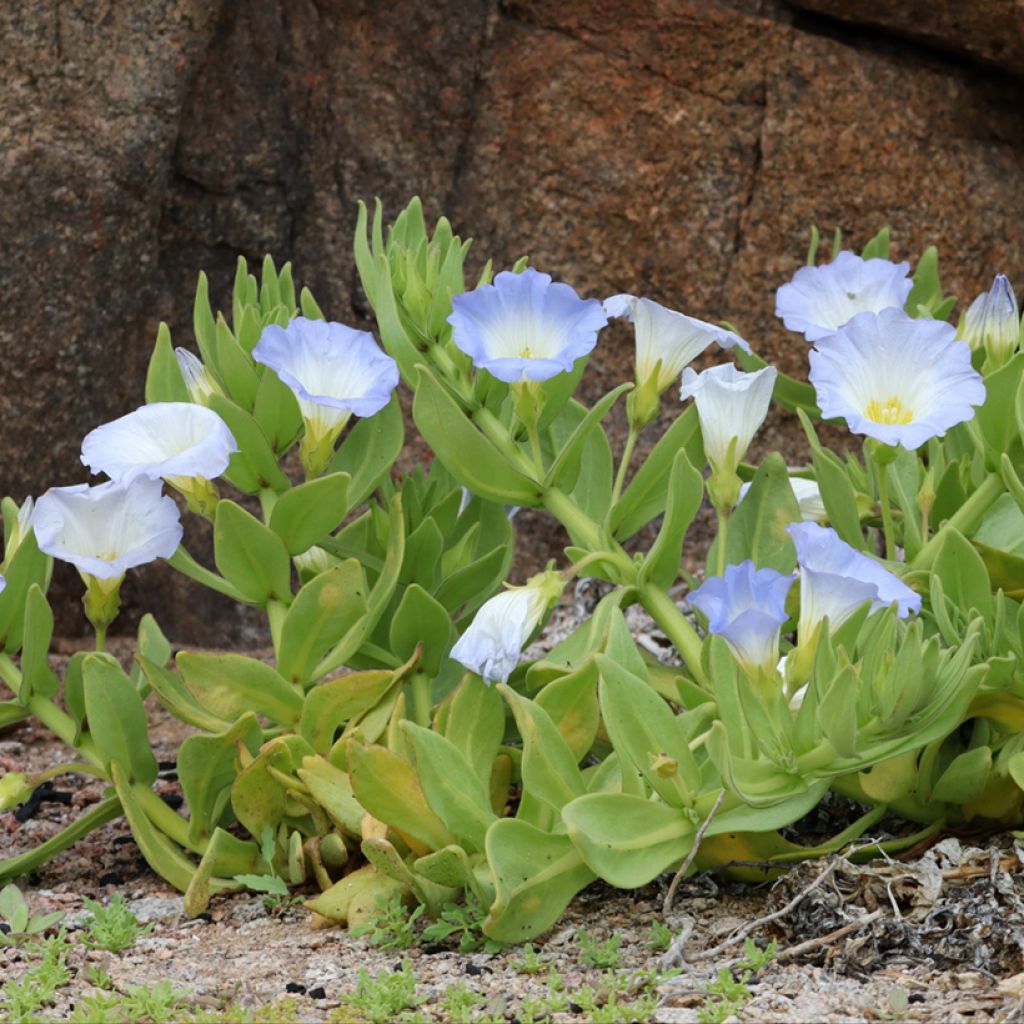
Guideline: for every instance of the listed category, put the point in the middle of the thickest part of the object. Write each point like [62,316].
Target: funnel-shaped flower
[992,322]
[666,341]
[172,440]
[746,607]
[731,405]
[808,498]
[819,300]
[896,379]
[335,372]
[835,580]
[200,382]
[524,327]
[501,628]
[106,530]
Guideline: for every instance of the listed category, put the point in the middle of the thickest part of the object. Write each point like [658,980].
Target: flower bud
[992,322]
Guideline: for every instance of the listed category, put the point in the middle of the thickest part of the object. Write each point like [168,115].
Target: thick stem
[63,725]
[676,627]
[188,566]
[723,537]
[965,519]
[167,820]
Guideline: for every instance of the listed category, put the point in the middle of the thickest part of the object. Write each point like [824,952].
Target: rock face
[678,149]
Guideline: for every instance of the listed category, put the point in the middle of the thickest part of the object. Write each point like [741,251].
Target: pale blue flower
[992,321]
[334,370]
[836,579]
[173,440]
[3,584]
[808,498]
[524,326]
[106,530]
[746,607]
[818,300]
[492,644]
[731,406]
[894,378]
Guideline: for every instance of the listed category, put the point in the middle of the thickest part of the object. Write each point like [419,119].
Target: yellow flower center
[891,411]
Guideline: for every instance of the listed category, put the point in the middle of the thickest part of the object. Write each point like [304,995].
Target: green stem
[627,457]
[167,820]
[10,673]
[498,434]
[676,627]
[538,457]
[106,811]
[722,540]
[965,519]
[101,637]
[188,566]
[64,726]
[888,526]
[422,699]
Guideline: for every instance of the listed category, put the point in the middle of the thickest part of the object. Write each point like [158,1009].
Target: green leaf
[333,704]
[229,685]
[308,512]
[550,772]
[685,494]
[28,566]
[421,619]
[163,856]
[150,643]
[389,788]
[965,777]
[117,719]
[369,450]
[37,676]
[207,767]
[176,697]
[964,576]
[837,492]
[255,465]
[465,452]
[250,556]
[13,908]
[236,367]
[164,380]
[757,527]
[276,410]
[475,723]
[258,798]
[996,418]
[571,702]
[647,494]
[453,790]
[323,611]
[877,247]
[565,469]
[646,733]
[535,875]
[204,325]
[331,788]
[627,840]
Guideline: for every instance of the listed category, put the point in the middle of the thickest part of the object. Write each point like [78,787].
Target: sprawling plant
[857,627]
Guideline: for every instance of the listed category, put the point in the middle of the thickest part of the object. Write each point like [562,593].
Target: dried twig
[685,866]
[740,934]
[824,940]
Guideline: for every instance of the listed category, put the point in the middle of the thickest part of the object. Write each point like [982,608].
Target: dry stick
[666,907]
[742,933]
[825,940]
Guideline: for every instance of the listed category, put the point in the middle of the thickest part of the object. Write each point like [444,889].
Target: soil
[936,937]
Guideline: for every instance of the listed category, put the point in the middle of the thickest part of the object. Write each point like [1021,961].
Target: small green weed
[530,962]
[660,937]
[728,993]
[460,1001]
[390,996]
[594,953]
[112,927]
[393,927]
[465,920]
[15,913]
[38,986]
[152,1004]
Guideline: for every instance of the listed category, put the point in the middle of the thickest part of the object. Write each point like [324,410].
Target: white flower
[808,497]
[492,644]
[896,379]
[108,529]
[992,322]
[3,584]
[731,406]
[821,299]
[200,382]
[172,440]
[524,327]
